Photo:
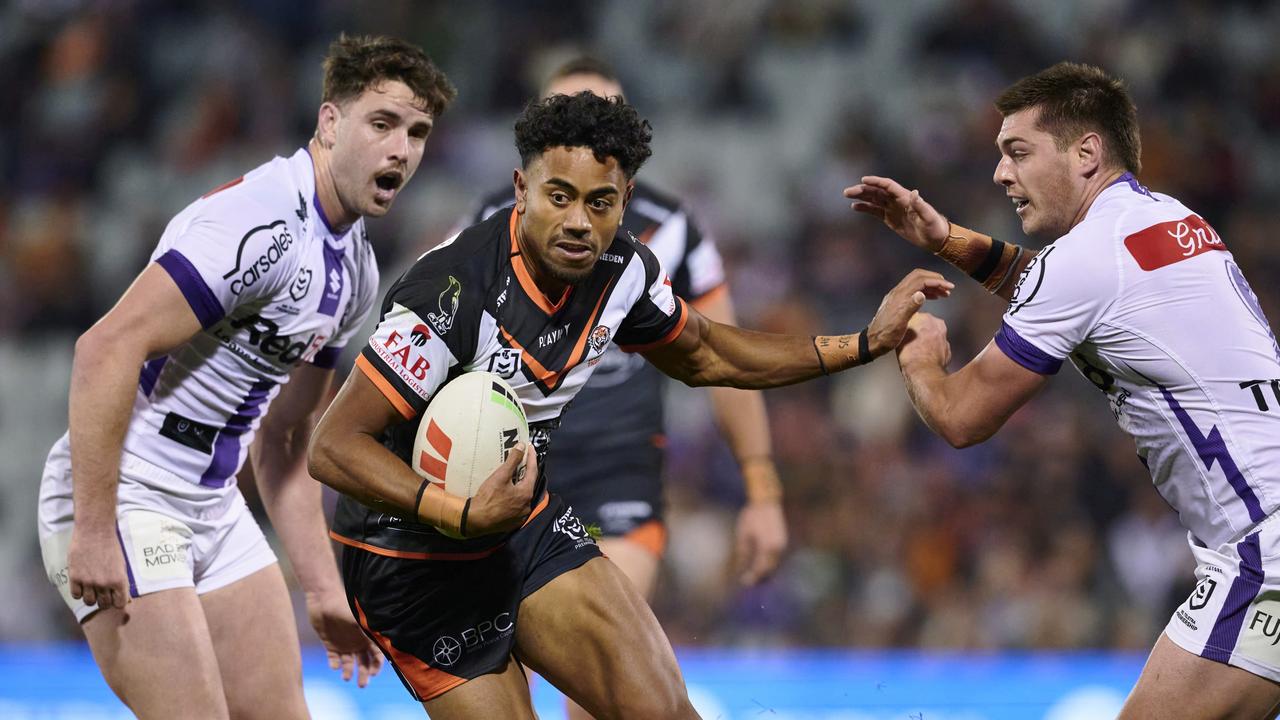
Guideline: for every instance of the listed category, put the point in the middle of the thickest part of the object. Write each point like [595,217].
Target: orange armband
[989,261]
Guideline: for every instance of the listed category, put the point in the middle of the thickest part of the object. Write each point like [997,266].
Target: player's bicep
[153,315]
[360,407]
[687,356]
[992,388]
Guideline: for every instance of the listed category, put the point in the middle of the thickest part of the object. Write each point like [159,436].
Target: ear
[521,185]
[1089,154]
[327,125]
[626,197]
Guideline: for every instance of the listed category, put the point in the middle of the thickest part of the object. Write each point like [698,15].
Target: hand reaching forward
[889,325]
[902,210]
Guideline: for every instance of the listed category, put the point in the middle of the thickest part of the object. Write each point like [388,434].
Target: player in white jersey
[251,294]
[1145,299]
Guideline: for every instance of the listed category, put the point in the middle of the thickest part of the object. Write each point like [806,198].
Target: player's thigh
[503,694]
[591,634]
[637,562]
[256,643]
[158,656]
[1177,684]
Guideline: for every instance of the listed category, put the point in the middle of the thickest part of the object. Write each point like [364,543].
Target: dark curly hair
[356,63]
[608,126]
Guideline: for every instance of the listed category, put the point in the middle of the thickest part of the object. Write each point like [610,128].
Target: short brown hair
[356,63]
[584,65]
[1075,99]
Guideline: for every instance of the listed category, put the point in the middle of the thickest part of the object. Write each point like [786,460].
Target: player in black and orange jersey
[608,456]
[535,293]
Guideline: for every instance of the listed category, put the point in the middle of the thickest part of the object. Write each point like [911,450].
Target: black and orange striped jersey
[622,405]
[471,304]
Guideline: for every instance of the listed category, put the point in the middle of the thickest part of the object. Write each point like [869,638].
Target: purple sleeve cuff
[201,299]
[327,358]
[1024,353]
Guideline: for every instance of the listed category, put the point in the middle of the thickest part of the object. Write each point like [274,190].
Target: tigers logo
[599,339]
[442,319]
[420,335]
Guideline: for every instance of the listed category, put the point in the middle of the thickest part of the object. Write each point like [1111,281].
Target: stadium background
[1047,539]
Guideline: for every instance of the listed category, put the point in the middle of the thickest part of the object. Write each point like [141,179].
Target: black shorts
[444,622]
[617,491]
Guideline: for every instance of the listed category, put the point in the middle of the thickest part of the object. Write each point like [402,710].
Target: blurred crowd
[120,112]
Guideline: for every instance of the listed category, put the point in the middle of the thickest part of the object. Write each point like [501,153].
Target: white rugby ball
[467,430]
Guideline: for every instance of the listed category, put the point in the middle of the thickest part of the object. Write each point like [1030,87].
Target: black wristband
[984,270]
[864,346]
[417,501]
[462,522]
[818,352]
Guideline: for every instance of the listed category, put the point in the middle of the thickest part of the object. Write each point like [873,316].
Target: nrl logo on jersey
[505,363]
[301,285]
[442,318]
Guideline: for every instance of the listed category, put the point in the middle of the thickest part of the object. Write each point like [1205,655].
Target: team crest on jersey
[442,318]
[505,363]
[301,285]
[599,339]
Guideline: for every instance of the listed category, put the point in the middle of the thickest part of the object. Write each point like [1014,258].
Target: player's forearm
[733,357]
[993,263]
[938,400]
[292,499]
[104,381]
[356,464]
[741,417]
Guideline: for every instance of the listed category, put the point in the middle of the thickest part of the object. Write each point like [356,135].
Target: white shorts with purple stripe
[1233,616]
[174,533]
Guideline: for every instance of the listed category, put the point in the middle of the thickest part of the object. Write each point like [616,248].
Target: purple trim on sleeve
[1222,639]
[201,299]
[327,358]
[226,449]
[150,374]
[1024,353]
[1212,448]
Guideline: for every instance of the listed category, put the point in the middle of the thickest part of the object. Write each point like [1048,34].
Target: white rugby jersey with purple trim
[1148,303]
[273,286]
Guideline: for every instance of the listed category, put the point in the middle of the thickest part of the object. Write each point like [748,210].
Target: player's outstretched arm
[761,534]
[150,319]
[970,405]
[346,454]
[709,353]
[994,263]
